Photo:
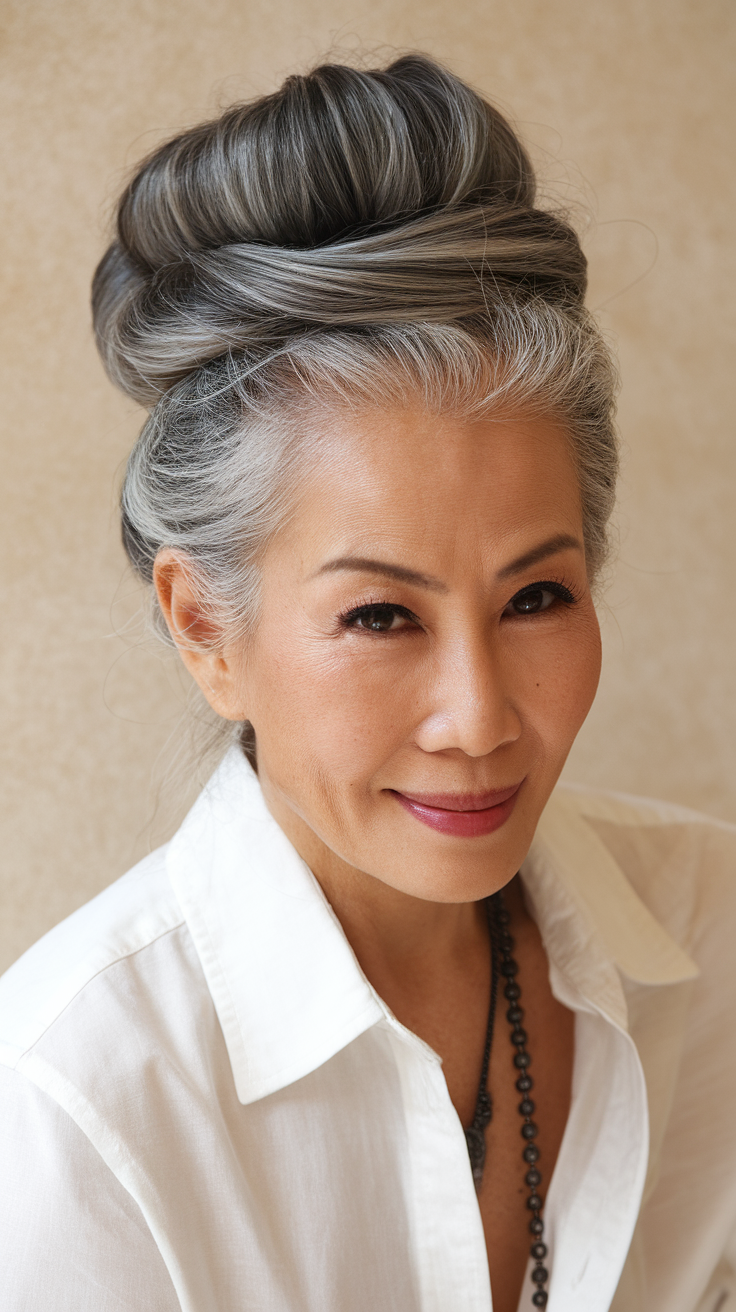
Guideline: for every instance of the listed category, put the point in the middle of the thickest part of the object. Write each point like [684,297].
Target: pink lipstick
[464,815]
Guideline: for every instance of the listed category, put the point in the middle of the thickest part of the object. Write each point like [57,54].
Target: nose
[471,707]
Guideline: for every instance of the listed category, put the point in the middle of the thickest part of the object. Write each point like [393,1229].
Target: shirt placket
[449,1243]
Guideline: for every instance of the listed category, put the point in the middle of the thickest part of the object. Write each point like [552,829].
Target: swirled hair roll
[356,239]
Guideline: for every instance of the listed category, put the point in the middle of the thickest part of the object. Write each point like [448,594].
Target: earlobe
[197,638]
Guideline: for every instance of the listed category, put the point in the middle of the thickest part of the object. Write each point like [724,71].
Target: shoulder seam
[124,956]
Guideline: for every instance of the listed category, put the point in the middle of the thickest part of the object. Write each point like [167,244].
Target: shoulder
[679,862]
[111,1018]
[644,812]
[122,921]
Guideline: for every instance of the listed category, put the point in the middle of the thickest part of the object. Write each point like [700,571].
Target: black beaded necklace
[503,964]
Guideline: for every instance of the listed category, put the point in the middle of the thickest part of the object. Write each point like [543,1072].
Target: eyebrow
[367,565]
[560,542]
[364,565]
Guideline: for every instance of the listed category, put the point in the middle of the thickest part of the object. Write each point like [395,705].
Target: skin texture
[463,675]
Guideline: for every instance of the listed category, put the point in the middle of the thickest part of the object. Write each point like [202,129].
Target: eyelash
[566,595]
[348,618]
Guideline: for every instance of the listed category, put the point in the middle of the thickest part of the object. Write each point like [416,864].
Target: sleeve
[71,1237]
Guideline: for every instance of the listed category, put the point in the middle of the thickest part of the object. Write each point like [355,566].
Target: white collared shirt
[205,1106]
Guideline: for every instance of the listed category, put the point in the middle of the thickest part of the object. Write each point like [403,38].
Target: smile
[461,814]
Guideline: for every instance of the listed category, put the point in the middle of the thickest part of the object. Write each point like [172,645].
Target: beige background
[628,105]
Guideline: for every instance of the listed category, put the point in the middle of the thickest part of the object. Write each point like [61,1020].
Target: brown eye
[378,619]
[530,603]
[382,617]
[537,598]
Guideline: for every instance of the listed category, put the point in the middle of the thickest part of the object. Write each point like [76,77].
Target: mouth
[464,815]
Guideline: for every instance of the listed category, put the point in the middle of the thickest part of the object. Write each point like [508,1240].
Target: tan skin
[437,674]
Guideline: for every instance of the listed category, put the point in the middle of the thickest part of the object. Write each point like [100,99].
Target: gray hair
[356,239]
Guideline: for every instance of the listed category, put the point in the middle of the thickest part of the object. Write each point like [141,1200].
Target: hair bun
[249,298]
[346,198]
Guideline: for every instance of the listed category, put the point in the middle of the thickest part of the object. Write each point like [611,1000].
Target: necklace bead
[504,966]
[527,1107]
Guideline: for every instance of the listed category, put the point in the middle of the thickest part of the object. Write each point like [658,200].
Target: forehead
[414,481]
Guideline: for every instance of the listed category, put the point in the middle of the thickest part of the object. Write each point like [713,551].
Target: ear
[215,665]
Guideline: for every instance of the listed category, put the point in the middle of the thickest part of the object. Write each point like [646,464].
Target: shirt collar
[595,927]
[288,990]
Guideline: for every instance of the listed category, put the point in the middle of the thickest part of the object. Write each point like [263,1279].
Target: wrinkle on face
[463,513]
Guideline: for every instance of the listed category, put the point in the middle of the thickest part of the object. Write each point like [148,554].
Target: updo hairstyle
[355,239]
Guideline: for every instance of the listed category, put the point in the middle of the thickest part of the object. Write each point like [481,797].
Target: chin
[441,868]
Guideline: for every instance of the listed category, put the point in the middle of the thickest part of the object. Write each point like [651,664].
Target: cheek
[328,709]
[565,678]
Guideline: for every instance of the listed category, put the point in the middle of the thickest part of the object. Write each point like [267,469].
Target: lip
[464,815]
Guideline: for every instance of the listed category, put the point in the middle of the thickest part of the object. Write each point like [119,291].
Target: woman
[388,1024]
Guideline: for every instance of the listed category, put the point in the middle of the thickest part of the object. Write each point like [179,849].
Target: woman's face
[427,648]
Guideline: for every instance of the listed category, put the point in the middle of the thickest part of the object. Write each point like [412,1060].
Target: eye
[539,597]
[382,618]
